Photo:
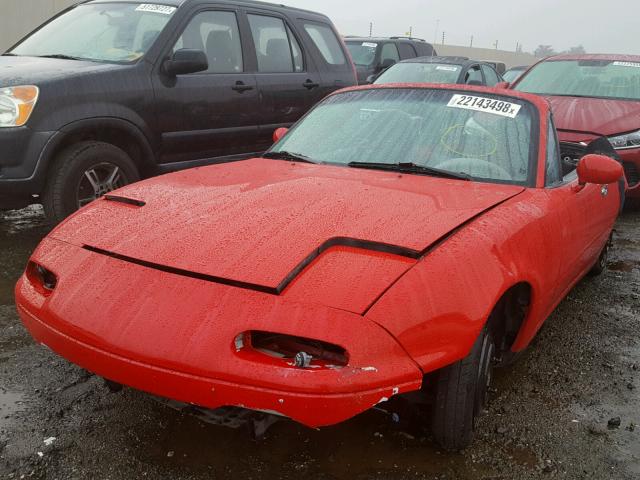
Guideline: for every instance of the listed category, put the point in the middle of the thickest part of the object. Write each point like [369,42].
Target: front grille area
[632,174]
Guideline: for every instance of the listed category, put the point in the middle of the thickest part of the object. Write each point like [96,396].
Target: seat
[220,54]
[278,57]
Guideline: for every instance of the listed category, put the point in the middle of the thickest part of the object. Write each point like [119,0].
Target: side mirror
[186,61]
[387,63]
[503,85]
[599,169]
[279,133]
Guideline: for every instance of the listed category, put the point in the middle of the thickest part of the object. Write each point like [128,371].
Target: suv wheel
[461,395]
[82,173]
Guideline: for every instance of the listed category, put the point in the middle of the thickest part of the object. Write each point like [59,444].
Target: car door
[578,221]
[491,77]
[211,114]
[406,51]
[287,77]
[473,75]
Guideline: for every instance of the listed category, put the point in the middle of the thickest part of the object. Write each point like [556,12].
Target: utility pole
[496,44]
[471,45]
[435,35]
[443,35]
[410,32]
[371,29]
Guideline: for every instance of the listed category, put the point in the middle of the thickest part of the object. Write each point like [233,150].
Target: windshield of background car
[584,78]
[420,73]
[362,53]
[489,137]
[102,32]
[512,75]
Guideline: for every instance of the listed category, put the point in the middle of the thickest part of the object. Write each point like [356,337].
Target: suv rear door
[287,77]
[213,113]
[406,50]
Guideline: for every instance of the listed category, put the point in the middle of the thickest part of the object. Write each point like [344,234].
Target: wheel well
[119,137]
[509,315]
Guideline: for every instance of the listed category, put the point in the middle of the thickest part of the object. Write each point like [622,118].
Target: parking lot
[553,414]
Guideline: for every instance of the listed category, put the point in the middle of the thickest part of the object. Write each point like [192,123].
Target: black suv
[374,55]
[112,90]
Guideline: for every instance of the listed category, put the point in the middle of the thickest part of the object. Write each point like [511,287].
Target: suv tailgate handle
[310,85]
[241,87]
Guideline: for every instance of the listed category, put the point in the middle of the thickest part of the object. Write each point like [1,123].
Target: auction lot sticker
[153,8]
[627,64]
[485,104]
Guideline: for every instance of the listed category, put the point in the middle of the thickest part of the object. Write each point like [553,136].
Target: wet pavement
[552,414]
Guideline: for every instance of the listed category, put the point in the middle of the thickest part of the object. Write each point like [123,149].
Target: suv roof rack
[408,38]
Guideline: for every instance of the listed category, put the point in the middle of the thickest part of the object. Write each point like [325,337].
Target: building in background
[19,17]
[510,59]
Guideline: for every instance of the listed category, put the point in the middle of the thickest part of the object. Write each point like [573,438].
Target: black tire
[69,186]
[461,395]
[603,259]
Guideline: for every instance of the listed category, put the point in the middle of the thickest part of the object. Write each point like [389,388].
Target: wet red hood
[255,221]
[595,116]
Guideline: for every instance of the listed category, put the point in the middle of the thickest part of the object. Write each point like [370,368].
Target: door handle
[310,85]
[241,87]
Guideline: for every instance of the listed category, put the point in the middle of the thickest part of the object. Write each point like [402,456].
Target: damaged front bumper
[176,337]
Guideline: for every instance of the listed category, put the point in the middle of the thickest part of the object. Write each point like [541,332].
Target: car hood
[595,116]
[36,70]
[261,224]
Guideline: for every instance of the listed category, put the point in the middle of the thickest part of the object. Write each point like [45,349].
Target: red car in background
[399,238]
[593,96]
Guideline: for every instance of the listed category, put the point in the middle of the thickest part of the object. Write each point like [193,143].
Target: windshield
[584,78]
[102,32]
[362,53]
[420,73]
[487,137]
[513,74]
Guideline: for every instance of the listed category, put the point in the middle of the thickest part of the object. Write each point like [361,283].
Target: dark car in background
[514,73]
[372,56]
[593,96]
[111,91]
[443,70]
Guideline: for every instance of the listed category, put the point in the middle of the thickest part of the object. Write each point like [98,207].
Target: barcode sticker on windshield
[447,69]
[153,8]
[627,64]
[484,104]
[369,44]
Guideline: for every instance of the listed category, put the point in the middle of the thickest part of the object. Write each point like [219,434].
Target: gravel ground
[554,414]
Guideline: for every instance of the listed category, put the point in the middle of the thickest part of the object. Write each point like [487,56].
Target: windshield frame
[528,72]
[10,50]
[534,146]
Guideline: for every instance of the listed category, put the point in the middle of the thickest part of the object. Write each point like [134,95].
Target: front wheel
[601,264]
[82,173]
[461,395]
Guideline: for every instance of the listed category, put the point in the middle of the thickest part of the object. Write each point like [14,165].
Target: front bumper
[174,337]
[21,151]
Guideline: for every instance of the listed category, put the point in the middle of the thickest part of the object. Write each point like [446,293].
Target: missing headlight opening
[41,277]
[298,351]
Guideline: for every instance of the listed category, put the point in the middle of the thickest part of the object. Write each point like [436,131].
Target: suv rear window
[327,43]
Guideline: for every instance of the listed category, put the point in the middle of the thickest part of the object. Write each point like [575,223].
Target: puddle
[624,266]
[10,403]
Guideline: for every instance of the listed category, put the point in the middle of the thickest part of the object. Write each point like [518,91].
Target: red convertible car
[399,238]
[593,96]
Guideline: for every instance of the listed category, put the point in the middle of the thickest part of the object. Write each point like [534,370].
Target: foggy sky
[600,26]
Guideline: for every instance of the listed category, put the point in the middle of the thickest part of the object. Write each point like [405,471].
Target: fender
[58,139]
[438,308]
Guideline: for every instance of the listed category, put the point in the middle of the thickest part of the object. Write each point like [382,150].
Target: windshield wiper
[295,157]
[60,56]
[8,54]
[409,167]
